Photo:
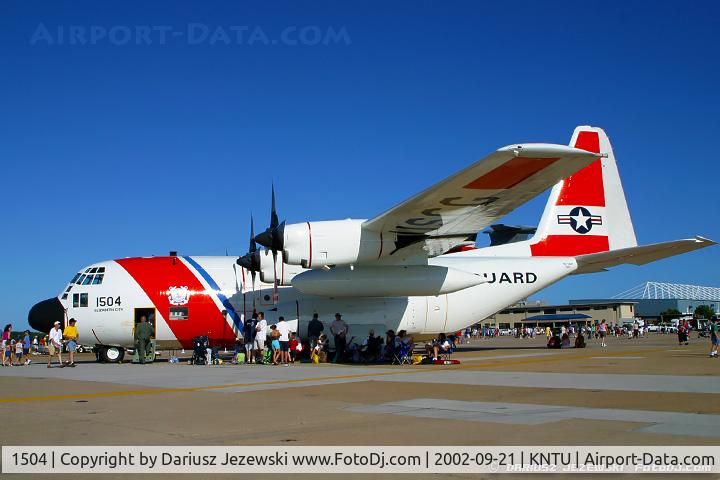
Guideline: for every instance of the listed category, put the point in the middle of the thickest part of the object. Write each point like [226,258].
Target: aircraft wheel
[112,354]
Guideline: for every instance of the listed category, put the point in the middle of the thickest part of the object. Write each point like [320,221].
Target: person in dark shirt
[315,329]
[249,336]
[143,333]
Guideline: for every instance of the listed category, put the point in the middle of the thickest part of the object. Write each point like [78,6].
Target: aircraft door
[149,314]
[436,313]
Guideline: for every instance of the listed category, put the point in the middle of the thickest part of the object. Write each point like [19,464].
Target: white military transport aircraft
[414,267]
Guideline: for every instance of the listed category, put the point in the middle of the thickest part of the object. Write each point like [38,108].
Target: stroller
[200,346]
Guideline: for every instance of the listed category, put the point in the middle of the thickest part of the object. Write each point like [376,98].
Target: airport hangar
[646,301]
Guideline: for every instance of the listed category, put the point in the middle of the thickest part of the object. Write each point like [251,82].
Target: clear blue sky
[113,147]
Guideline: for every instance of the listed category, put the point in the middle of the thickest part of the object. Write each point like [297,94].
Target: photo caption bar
[360,459]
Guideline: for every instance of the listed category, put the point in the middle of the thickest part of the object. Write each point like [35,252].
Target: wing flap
[598,262]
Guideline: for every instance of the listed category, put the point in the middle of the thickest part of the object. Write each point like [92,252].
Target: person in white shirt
[260,336]
[55,344]
[284,329]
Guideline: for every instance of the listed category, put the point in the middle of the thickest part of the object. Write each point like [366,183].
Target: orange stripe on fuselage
[156,275]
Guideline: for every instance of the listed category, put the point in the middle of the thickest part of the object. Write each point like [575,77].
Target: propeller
[251,260]
[273,238]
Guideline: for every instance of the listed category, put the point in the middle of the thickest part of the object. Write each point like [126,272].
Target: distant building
[653,298]
[614,312]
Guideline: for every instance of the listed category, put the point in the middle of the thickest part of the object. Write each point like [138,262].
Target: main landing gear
[109,354]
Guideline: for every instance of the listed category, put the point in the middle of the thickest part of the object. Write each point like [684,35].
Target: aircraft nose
[44,314]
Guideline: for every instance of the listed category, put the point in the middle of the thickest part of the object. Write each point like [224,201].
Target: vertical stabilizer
[587,212]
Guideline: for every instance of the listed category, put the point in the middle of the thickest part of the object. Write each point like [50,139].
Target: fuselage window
[178,313]
[98,279]
[80,300]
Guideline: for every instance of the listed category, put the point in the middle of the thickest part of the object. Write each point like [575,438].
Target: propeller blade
[253,246]
[265,238]
[273,211]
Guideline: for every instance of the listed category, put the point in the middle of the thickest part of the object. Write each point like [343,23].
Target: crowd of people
[16,352]
[277,344]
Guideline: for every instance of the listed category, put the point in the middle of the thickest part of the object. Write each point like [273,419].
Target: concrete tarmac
[506,391]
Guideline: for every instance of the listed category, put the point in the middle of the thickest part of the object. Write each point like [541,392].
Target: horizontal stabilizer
[598,262]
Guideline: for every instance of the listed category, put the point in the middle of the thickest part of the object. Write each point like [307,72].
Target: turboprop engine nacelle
[336,242]
[284,273]
[386,281]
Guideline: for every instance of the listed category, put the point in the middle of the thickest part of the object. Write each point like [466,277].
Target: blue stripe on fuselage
[223,299]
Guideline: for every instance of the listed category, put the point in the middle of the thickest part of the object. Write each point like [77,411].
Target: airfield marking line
[42,398]
[201,388]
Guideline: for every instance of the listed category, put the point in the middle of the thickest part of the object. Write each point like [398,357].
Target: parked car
[668,328]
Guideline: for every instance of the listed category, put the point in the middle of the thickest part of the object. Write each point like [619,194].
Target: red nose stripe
[510,173]
[156,275]
[586,186]
[570,245]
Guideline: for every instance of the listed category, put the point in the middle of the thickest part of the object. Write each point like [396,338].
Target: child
[9,353]
[239,348]
[275,343]
[295,347]
[18,352]
[319,349]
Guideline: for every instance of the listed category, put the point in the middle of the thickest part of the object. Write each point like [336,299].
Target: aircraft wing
[598,262]
[459,206]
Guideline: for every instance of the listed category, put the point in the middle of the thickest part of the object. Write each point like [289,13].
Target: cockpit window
[92,276]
